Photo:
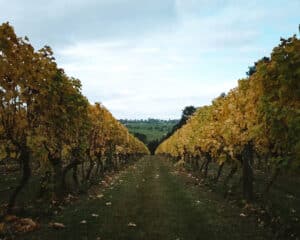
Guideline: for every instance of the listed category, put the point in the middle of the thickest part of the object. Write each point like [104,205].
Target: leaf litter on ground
[56,225]
[131,224]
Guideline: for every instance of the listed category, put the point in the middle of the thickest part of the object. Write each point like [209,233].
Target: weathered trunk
[98,164]
[91,166]
[100,167]
[69,167]
[109,161]
[196,163]
[26,173]
[75,175]
[121,160]
[44,183]
[202,165]
[82,179]
[232,172]
[219,171]
[247,158]
[266,165]
[208,157]
[115,162]
[259,162]
[230,175]
[186,159]
[56,163]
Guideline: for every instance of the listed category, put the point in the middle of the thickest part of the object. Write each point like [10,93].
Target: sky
[151,58]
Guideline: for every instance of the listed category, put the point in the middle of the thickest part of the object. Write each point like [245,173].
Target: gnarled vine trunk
[91,166]
[56,163]
[208,160]
[219,171]
[247,160]
[69,167]
[26,173]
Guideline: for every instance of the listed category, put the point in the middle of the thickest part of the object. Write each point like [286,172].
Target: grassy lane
[152,202]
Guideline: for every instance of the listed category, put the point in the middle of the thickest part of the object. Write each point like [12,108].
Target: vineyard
[255,125]
[252,133]
[60,153]
[49,127]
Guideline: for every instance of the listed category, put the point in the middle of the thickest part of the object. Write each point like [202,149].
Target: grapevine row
[49,128]
[257,124]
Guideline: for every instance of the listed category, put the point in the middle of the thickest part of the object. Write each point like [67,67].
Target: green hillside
[150,129]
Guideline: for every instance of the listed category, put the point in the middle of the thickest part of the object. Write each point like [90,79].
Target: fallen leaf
[131,224]
[10,218]
[99,196]
[57,225]
[290,196]
[108,204]
[95,215]
[293,210]
[25,225]
[83,222]
[261,224]
[2,228]
[243,215]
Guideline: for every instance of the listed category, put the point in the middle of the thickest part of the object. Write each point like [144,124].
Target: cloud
[60,23]
[151,58]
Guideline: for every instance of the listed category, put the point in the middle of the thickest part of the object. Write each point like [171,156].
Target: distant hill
[154,131]
[150,129]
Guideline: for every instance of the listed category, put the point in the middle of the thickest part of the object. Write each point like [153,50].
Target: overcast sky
[150,58]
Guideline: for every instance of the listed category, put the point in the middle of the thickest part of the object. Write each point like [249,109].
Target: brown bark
[69,167]
[26,173]
[91,166]
[208,157]
[75,175]
[247,158]
[202,165]
[57,177]
[230,175]
[219,171]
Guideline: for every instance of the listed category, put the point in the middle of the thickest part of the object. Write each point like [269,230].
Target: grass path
[161,204]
